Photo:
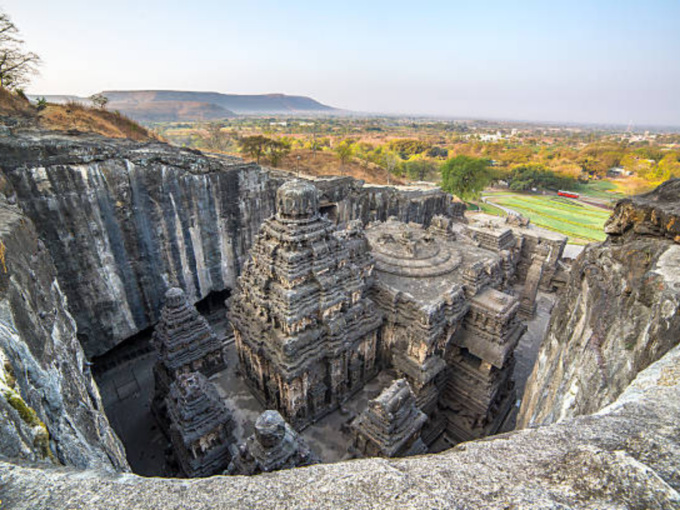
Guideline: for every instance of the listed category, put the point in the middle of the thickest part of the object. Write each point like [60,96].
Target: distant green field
[580,222]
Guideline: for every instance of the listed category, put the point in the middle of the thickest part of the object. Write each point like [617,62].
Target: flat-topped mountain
[171,105]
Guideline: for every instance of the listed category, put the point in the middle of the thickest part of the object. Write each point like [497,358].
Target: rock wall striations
[50,408]
[125,221]
[617,315]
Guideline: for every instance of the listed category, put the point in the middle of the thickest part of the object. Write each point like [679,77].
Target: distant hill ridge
[174,105]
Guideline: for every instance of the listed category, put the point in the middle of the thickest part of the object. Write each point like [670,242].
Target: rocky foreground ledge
[626,456]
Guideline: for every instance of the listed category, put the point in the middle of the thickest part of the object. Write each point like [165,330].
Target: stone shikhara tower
[185,343]
[200,426]
[305,328]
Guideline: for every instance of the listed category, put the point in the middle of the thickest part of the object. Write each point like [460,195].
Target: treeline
[594,160]
[525,163]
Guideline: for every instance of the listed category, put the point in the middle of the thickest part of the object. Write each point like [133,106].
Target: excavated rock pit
[82,223]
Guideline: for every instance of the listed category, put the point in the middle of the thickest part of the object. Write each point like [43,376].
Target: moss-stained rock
[50,409]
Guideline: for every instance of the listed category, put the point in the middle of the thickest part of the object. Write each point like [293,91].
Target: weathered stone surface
[305,327]
[50,409]
[655,214]
[618,313]
[273,446]
[201,426]
[626,456]
[391,425]
[125,221]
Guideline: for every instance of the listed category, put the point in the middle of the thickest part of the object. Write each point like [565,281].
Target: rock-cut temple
[320,310]
[306,328]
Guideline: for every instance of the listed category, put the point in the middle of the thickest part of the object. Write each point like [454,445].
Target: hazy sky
[586,61]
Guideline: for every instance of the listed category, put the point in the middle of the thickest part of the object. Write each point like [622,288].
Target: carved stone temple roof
[195,408]
[425,264]
[182,336]
[302,294]
[201,426]
[491,329]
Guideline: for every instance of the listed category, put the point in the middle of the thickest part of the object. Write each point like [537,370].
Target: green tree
[99,101]
[536,176]
[254,146]
[276,150]
[16,64]
[363,151]
[639,165]
[669,166]
[389,161]
[465,176]
[420,169]
[344,150]
[408,147]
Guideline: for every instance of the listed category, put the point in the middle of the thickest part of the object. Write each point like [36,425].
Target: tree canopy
[253,146]
[419,169]
[465,176]
[344,150]
[16,64]
[528,177]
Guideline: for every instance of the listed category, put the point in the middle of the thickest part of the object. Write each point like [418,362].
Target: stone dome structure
[175,297]
[297,200]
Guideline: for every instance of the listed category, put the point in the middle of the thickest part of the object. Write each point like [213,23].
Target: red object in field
[568,194]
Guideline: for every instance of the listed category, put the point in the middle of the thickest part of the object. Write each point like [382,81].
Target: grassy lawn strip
[582,215]
[569,218]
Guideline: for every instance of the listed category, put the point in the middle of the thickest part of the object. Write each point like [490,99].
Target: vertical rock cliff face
[125,221]
[50,409]
[617,315]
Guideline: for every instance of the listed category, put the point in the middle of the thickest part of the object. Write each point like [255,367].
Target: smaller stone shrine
[391,425]
[185,343]
[200,426]
[273,446]
[513,237]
